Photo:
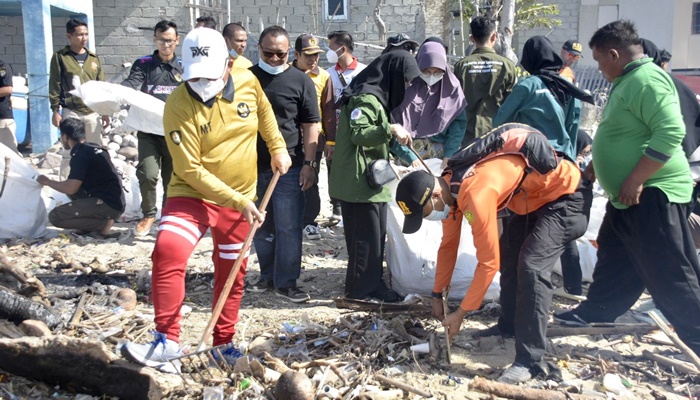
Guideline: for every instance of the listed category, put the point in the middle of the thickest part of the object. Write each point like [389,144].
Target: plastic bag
[145,111]
[412,258]
[23,212]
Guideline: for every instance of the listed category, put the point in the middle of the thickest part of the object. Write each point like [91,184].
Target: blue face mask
[233,53]
[437,215]
[270,69]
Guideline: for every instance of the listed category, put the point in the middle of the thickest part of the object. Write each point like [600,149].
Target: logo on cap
[313,41]
[404,208]
[200,51]
[577,46]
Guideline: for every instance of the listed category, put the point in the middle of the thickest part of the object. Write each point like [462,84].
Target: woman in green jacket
[365,126]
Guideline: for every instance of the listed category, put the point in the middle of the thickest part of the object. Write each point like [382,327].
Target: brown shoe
[144,226]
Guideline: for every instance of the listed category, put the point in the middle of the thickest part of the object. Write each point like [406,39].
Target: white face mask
[207,89]
[332,56]
[270,69]
[437,215]
[431,79]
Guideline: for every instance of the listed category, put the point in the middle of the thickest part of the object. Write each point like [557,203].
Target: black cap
[307,44]
[412,194]
[399,40]
[573,47]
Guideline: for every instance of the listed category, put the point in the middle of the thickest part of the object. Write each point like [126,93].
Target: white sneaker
[157,354]
[312,232]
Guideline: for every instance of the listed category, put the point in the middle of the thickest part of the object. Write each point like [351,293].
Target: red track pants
[185,220]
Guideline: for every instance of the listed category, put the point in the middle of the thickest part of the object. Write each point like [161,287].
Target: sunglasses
[269,54]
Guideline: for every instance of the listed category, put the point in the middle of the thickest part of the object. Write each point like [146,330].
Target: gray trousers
[89,215]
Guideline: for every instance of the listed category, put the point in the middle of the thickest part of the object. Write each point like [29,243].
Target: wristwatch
[312,163]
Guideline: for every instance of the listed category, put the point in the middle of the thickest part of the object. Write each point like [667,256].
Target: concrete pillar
[36,15]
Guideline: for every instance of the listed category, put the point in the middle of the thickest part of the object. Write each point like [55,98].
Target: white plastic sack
[103,98]
[145,111]
[412,258]
[22,211]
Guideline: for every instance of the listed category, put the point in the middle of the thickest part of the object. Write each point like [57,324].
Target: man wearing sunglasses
[570,53]
[157,74]
[292,95]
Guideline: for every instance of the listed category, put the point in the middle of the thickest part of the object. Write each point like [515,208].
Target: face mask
[233,53]
[436,215]
[270,69]
[431,79]
[332,56]
[207,89]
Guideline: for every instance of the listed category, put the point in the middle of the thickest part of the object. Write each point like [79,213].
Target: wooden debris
[87,366]
[560,330]
[35,328]
[519,393]
[78,313]
[18,308]
[384,308]
[681,366]
[26,278]
[403,386]
[675,339]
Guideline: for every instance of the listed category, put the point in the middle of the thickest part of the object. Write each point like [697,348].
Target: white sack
[412,258]
[145,111]
[22,211]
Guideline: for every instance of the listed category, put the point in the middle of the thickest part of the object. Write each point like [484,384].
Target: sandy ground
[322,277]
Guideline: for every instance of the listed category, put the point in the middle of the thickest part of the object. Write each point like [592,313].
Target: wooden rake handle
[237,265]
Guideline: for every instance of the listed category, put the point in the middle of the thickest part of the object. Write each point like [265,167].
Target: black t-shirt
[80,58]
[5,80]
[294,100]
[91,165]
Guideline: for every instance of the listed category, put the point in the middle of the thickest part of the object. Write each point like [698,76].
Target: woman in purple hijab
[433,106]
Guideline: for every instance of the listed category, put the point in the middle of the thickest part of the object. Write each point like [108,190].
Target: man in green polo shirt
[644,240]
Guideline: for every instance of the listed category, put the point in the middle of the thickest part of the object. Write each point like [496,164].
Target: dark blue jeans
[278,241]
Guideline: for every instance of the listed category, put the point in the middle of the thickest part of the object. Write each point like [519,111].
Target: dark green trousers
[154,157]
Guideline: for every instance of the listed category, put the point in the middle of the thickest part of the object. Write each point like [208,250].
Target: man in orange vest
[548,213]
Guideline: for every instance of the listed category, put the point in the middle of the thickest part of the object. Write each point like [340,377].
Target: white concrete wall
[685,44]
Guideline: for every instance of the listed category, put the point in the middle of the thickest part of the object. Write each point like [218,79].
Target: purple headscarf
[428,110]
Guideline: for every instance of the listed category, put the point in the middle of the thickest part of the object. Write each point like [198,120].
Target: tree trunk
[506,30]
[85,367]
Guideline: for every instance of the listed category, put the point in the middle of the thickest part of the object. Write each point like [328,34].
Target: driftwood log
[18,308]
[84,366]
[610,329]
[679,365]
[675,339]
[384,308]
[519,393]
[30,282]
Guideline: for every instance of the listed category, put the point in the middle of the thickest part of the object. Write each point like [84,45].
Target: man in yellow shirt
[211,131]
[306,55]
[236,41]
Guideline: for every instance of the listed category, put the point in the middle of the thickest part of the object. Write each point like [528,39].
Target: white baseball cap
[204,54]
